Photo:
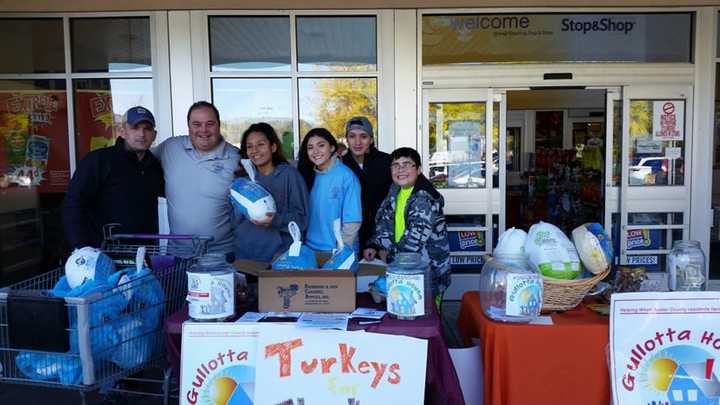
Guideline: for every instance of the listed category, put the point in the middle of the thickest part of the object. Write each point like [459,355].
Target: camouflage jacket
[425,229]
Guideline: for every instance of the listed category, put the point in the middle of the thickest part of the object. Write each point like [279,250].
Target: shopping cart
[93,342]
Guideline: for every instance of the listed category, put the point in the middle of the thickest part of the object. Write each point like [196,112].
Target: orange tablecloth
[537,364]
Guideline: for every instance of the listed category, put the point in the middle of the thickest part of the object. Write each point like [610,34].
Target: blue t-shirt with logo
[335,194]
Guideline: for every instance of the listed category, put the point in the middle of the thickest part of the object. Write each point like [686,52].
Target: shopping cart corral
[108,339]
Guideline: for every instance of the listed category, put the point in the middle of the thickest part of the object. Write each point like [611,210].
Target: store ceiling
[128,5]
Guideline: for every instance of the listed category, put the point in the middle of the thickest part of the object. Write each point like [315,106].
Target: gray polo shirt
[197,188]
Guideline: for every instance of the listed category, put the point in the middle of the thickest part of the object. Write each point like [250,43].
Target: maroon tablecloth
[441,381]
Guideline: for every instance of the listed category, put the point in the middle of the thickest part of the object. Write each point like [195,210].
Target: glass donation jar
[409,287]
[211,289]
[510,289]
[686,266]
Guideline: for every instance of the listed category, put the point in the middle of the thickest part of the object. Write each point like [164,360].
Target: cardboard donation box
[306,291]
[318,290]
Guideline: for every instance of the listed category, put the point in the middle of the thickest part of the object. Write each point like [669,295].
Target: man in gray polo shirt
[199,170]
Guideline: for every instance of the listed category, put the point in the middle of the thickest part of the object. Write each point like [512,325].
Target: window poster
[34,140]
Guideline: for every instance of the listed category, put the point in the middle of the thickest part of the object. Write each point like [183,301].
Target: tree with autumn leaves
[340,100]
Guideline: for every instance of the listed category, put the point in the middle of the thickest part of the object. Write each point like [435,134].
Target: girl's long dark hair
[272,137]
[305,166]
[266,129]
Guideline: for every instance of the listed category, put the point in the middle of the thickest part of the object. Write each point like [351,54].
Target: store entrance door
[555,157]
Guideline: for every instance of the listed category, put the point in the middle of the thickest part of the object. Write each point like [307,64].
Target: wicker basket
[562,295]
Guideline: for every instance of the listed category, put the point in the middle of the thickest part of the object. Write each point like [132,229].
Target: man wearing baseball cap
[117,184]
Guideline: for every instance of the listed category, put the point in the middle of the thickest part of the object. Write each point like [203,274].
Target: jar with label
[409,288]
[686,266]
[510,289]
[211,289]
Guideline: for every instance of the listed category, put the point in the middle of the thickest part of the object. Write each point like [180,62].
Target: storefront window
[648,239]
[657,147]
[110,44]
[514,141]
[540,38]
[99,107]
[32,45]
[248,55]
[249,43]
[34,173]
[37,134]
[246,101]
[346,43]
[329,103]
[617,142]
[496,145]
[714,258]
[457,144]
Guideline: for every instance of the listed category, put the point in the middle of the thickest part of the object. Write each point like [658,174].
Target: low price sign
[322,367]
[665,348]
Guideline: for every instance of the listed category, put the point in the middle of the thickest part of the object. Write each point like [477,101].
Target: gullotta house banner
[665,347]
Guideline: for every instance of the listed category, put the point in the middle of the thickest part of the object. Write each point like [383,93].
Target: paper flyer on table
[251,317]
[369,313]
[313,320]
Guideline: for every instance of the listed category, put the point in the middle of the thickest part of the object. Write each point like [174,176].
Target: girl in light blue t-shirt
[334,192]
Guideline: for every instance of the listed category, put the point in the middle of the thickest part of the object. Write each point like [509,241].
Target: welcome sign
[665,348]
[350,368]
[490,38]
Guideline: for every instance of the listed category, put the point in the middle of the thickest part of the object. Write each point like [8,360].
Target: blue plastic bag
[63,368]
[298,256]
[67,368]
[101,312]
[343,257]
[140,328]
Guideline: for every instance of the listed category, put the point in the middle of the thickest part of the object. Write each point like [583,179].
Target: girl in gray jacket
[261,240]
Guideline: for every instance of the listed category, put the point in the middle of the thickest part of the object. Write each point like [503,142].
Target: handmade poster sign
[327,367]
[665,348]
[218,363]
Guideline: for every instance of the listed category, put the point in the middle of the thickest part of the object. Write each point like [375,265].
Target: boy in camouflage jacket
[420,227]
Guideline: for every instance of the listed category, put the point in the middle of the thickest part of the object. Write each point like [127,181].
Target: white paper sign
[406,294]
[668,120]
[218,363]
[523,295]
[648,146]
[314,320]
[673,153]
[329,367]
[665,348]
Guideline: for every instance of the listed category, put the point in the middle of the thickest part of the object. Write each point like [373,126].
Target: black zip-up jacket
[375,180]
[112,185]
